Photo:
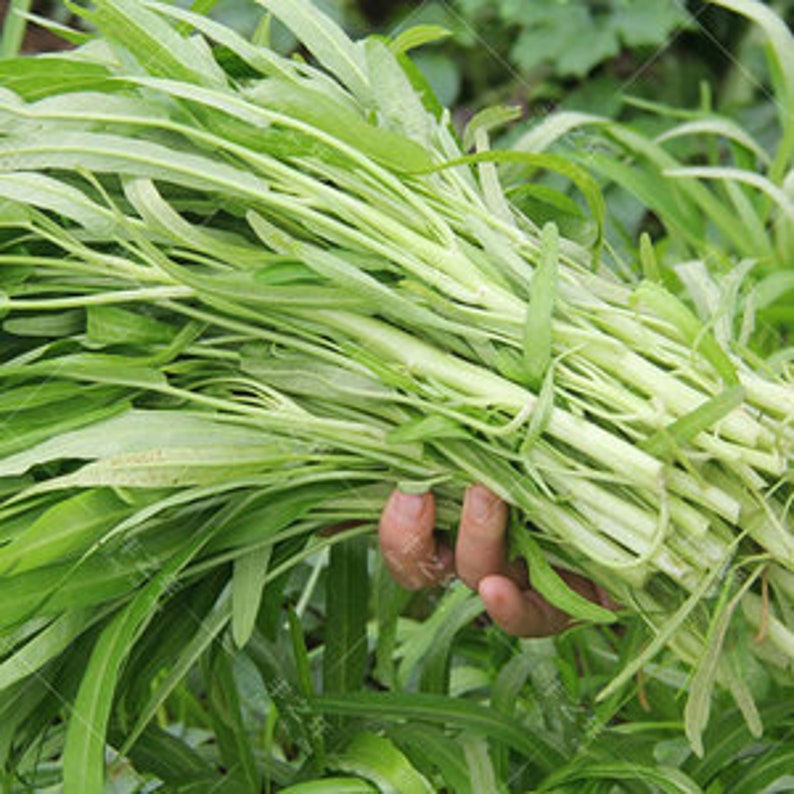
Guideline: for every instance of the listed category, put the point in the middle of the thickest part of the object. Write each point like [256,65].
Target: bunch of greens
[244,295]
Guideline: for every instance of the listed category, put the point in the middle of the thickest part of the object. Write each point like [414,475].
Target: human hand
[417,558]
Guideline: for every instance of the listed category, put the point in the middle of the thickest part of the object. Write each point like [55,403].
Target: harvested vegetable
[244,295]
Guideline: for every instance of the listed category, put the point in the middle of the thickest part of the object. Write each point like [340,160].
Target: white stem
[423,359]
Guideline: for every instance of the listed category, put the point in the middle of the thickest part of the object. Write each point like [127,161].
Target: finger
[520,613]
[525,613]
[412,553]
[480,549]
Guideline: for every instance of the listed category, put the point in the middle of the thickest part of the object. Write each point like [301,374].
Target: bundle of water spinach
[243,295]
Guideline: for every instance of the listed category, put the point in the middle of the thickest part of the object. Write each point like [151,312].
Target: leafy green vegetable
[244,294]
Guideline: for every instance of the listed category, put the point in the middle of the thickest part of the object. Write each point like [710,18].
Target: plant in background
[243,295]
[530,54]
[549,34]
[720,197]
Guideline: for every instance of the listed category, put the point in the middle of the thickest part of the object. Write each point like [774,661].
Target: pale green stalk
[152,294]
[421,358]
[14,26]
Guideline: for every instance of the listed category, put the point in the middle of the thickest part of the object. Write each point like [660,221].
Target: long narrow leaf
[542,297]
[347,606]
[325,40]
[377,759]
[160,49]
[248,583]
[439,709]
[84,751]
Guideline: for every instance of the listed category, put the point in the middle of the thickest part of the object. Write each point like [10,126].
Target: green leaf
[158,752]
[662,634]
[175,467]
[159,49]
[781,56]
[326,41]
[576,60]
[344,122]
[739,175]
[765,770]
[552,587]
[377,759]
[426,428]
[394,94]
[45,646]
[648,23]
[668,440]
[720,127]
[509,682]
[586,184]
[261,59]
[488,119]
[430,748]
[440,709]
[133,431]
[64,32]
[555,128]
[687,205]
[46,325]
[552,198]
[84,751]
[420,644]
[417,36]
[421,86]
[72,525]
[119,155]
[552,33]
[332,785]
[728,738]
[540,309]
[278,675]
[664,778]
[300,653]
[18,706]
[698,704]
[248,582]
[212,625]
[481,770]
[235,747]
[48,193]
[347,608]
[389,601]
[50,75]
[159,215]
[103,578]
[650,266]
[281,509]
[691,330]
[112,325]
[774,288]
[437,662]
[679,214]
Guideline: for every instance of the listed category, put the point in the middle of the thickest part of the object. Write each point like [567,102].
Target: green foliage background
[344,682]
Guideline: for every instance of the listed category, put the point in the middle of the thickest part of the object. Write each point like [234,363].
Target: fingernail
[438,568]
[409,505]
[446,565]
[441,559]
[480,502]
